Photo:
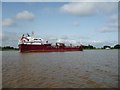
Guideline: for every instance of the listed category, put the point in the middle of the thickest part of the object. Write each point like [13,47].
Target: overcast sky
[94,23]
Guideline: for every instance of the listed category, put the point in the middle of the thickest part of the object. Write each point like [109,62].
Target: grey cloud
[23,15]
[88,8]
[111,25]
[8,22]
[10,38]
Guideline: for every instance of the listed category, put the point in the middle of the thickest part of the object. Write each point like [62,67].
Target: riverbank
[89,47]
[9,49]
[83,49]
[101,49]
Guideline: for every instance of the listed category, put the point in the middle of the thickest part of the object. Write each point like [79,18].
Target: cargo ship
[28,43]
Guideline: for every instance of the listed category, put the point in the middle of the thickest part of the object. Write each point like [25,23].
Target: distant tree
[104,47]
[117,46]
[89,47]
[7,47]
[84,47]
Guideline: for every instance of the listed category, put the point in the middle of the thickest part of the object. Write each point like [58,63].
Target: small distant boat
[30,44]
[107,48]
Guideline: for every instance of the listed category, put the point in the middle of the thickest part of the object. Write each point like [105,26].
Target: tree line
[8,48]
[117,46]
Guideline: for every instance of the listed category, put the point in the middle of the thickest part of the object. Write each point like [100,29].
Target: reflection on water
[90,68]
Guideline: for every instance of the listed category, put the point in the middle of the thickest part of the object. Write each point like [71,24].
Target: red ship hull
[47,48]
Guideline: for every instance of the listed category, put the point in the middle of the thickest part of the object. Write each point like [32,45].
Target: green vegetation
[89,47]
[6,48]
[117,46]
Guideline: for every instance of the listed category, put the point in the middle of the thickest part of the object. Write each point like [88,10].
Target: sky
[94,23]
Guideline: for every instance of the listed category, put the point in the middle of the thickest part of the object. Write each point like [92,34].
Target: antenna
[32,33]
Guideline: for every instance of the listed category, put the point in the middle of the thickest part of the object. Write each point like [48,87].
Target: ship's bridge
[30,40]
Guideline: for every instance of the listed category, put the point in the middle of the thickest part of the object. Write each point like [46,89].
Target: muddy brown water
[79,69]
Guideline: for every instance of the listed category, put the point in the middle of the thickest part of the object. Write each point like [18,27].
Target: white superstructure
[30,40]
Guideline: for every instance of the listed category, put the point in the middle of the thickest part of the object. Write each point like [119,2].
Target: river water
[79,69]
